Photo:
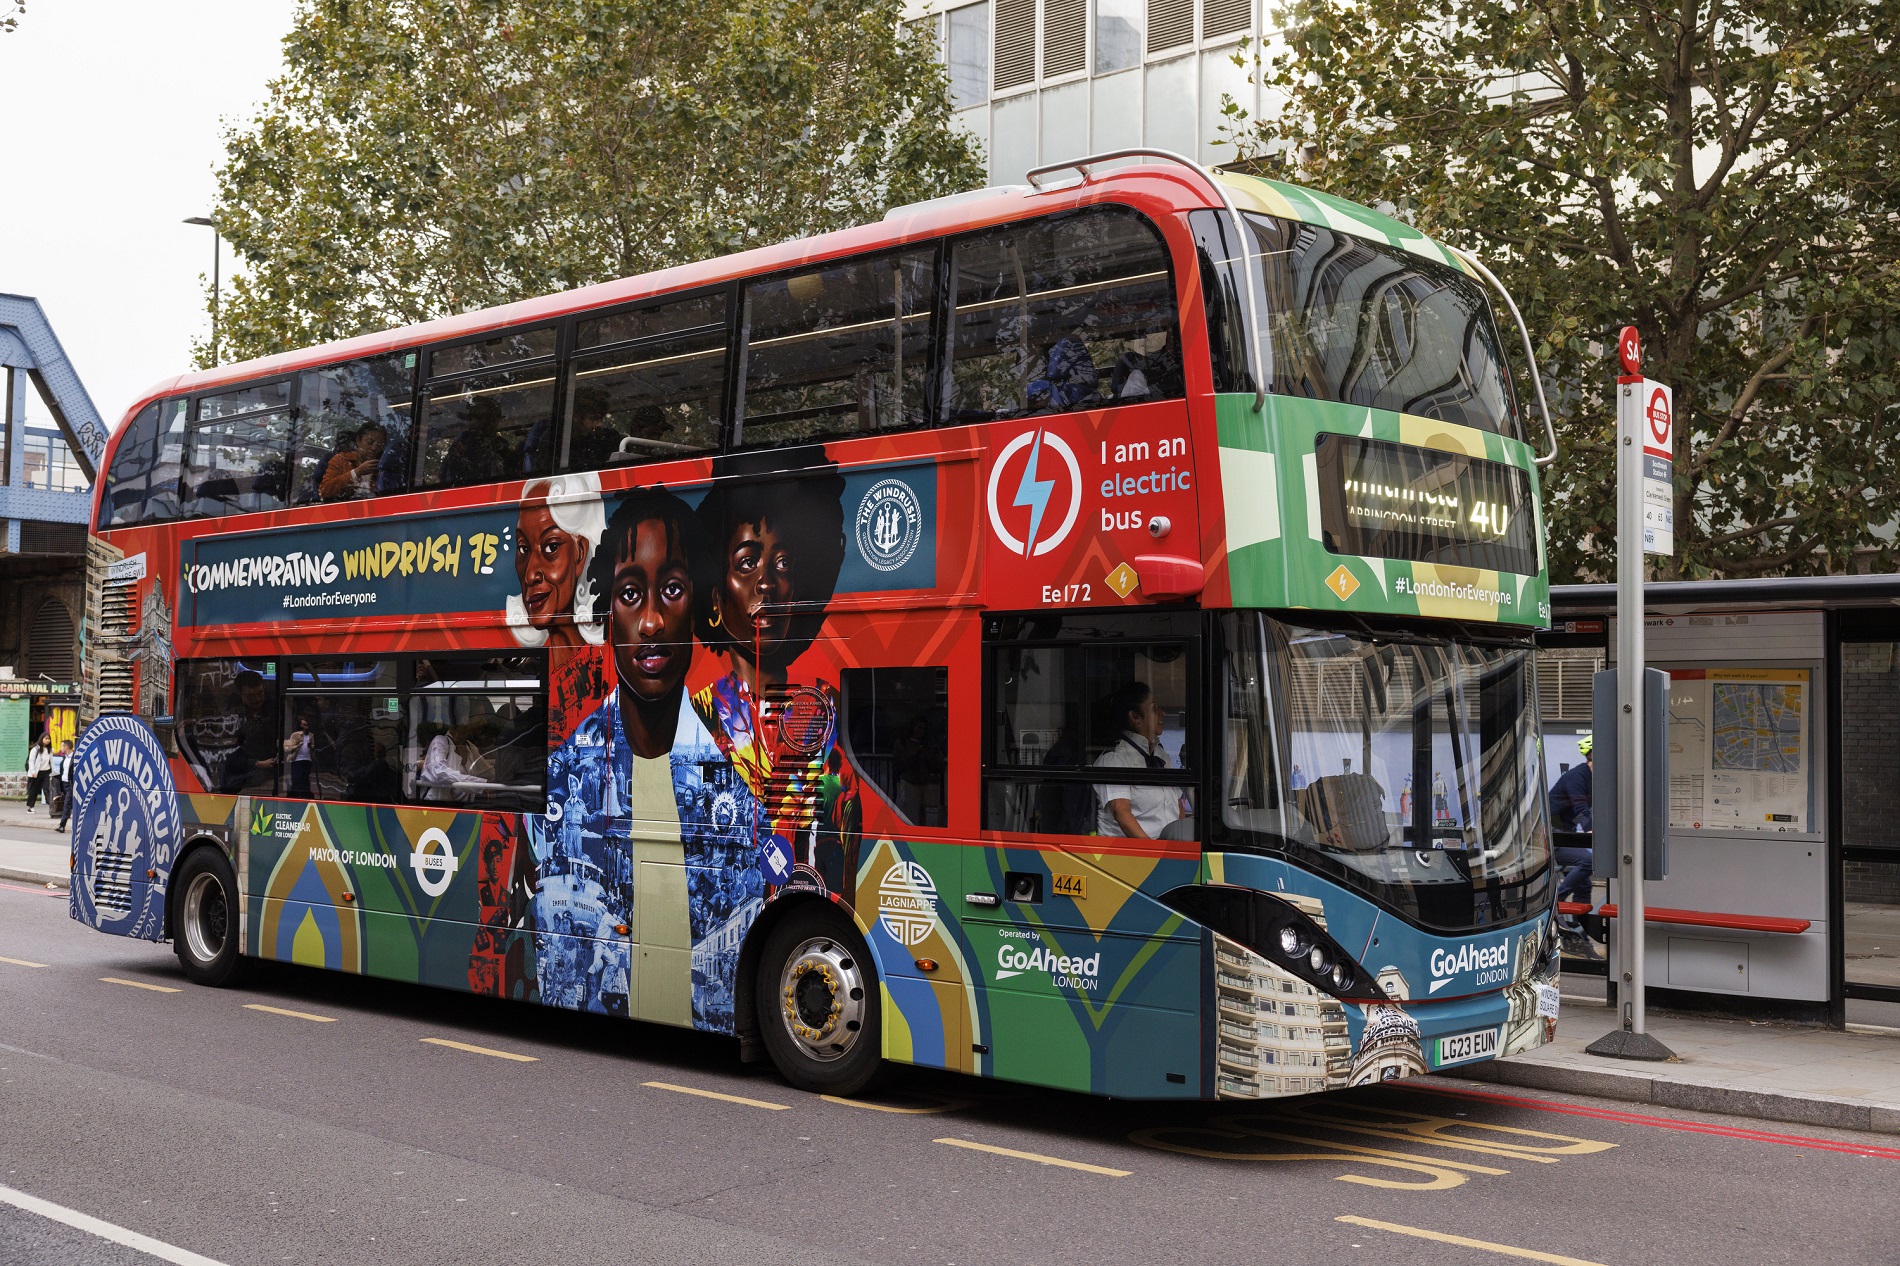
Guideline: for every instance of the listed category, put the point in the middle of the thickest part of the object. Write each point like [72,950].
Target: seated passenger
[456,759]
[1069,376]
[1139,812]
[351,472]
[593,443]
[479,451]
[1150,372]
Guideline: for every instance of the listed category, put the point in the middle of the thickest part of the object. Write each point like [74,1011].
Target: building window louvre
[1064,37]
[1015,43]
[1225,17]
[50,642]
[1170,24]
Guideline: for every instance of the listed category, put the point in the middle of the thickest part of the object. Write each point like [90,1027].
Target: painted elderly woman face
[548,562]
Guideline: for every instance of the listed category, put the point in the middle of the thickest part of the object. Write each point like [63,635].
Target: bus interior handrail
[1084,167]
[1530,354]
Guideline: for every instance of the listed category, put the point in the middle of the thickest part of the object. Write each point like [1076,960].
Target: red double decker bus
[1075,633]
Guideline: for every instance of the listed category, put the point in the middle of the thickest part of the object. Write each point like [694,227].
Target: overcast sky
[115,111]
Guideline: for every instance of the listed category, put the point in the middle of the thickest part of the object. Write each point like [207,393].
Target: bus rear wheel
[205,920]
[819,1010]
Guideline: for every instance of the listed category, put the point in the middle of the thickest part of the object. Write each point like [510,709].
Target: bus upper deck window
[838,351]
[354,437]
[647,384]
[1362,323]
[239,447]
[490,411]
[124,499]
[1075,311]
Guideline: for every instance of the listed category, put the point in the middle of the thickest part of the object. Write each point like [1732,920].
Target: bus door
[1090,815]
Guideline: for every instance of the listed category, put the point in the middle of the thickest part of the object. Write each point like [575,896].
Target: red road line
[43,892]
[1667,1123]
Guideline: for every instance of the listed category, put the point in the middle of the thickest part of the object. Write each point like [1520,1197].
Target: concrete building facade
[1044,81]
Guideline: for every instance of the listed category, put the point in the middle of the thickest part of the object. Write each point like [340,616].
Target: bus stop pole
[1630,1040]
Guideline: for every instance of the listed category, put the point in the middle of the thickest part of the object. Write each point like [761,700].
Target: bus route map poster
[1738,749]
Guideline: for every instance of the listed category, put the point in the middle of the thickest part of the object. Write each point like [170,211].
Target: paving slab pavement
[1769,1070]
[32,850]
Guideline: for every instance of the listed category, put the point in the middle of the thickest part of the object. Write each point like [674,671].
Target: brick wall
[1870,765]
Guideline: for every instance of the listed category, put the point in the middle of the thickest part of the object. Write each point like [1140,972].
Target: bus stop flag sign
[1655,422]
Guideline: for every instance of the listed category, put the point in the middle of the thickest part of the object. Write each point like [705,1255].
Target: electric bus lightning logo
[1035,493]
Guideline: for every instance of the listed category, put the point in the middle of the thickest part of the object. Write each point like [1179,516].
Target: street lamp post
[217,240]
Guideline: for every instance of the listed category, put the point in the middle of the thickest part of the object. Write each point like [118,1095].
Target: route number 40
[1490,518]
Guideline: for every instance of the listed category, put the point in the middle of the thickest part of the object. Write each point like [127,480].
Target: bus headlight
[1292,944]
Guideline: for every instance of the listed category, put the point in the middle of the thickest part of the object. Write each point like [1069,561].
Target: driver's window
[1093,739]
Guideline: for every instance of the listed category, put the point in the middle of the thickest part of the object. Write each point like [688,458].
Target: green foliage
[424,157]
[1719,173]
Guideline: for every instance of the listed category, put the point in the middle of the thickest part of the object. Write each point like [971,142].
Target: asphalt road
[316,1118]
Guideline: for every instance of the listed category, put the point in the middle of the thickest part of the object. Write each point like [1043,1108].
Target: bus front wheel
[205,920]
[819,1009]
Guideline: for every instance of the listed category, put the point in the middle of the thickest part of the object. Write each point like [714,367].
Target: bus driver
[1140,812]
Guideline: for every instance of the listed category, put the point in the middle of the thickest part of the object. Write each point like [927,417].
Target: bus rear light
[1165,577]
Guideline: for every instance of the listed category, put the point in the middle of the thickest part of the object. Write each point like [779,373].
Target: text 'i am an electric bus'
[1076,633]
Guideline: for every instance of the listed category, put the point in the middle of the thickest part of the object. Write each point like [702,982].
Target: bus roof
[1161,186]
[1175,186]
[1310,206]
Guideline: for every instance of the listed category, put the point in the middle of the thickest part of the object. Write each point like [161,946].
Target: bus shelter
[1783,894]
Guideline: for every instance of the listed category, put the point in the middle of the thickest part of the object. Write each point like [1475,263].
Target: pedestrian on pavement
[1570,811]
[56,779]
[39,761]
[66,782]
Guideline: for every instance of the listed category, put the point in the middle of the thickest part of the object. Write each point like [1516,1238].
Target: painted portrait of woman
[776,542]
[559,605]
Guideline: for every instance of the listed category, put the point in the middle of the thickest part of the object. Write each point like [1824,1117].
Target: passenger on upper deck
[351,472]
[1069,376]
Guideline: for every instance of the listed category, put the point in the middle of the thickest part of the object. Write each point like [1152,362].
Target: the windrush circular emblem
[907,903]
[889,524]
[125,827]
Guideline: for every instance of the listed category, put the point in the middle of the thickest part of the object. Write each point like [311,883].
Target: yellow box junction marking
[482,1050]
[714,1094]
[947,1105]
[1234,1137]
[1506,1250]
[295,1015]
[20,962]
[1038,1157]
[139,984]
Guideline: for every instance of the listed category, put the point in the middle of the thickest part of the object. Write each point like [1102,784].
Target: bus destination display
[1386,500]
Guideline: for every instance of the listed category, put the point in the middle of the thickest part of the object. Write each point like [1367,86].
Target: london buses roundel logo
[1035,493]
